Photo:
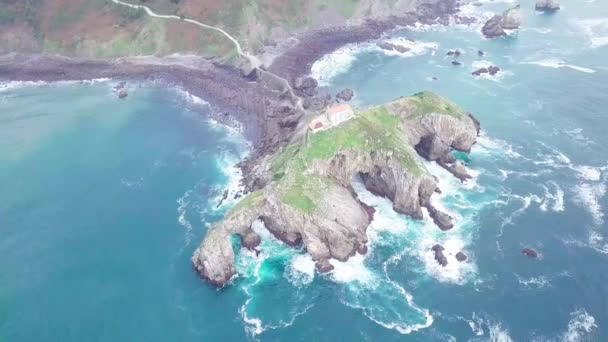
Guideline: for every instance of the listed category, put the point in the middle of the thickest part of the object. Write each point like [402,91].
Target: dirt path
[253,60]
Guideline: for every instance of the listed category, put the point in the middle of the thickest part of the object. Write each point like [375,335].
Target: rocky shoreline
[257,103]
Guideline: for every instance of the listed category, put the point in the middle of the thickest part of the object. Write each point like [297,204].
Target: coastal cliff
[305,195]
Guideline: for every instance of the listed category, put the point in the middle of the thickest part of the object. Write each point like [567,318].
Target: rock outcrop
[529,252]
[306,86]
[305,194]
[393,47]
[461,257]
[492,70]
[345,94]
[510,19]
[547,5]
[439,256]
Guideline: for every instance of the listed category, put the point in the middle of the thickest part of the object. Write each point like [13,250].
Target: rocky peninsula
[305,195]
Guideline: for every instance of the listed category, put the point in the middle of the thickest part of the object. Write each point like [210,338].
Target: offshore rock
[547,5]
[510,19]
[529,252]
[439,256]
[461,257]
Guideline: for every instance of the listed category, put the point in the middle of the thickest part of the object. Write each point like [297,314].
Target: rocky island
[305,194]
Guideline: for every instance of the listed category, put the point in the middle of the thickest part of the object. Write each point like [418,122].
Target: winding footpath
[253,60]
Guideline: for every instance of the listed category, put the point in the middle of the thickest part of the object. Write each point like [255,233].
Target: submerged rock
[480,71]
[439,256]
[456,63]
[529,252]
[455,53]
[481,53]
[345,94]
[122,93]
[510,19]
[547,5]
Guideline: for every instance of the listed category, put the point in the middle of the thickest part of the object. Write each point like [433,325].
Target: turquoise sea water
[103,201]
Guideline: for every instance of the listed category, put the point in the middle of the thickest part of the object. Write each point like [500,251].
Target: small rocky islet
[305,197]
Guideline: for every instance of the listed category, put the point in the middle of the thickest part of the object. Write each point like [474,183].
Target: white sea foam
[340,61]
[333,64]
[182,208]
[553,200]
[596,31]
[580,326]
[7,86]
[494,147]
[498,333]
[557,63]
[301,270]
[416,48]
[589,196]
[526,201]
[353,270]
[589,173]
[533,282]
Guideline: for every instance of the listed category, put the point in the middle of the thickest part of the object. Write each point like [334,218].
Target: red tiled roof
[338,108]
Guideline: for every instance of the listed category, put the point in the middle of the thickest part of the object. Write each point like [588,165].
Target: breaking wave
[340,61]
[580,326]
[558,63]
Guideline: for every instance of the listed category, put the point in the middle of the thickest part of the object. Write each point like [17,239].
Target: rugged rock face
[345,94]
[510,19]
[547,5]
[461,257]
[306,86]
[305,194]
[439,256]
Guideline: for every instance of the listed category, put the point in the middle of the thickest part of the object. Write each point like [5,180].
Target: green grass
[372,130]
[251,200]
[429,103]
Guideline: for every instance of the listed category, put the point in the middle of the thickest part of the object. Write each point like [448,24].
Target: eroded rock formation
[510,19]
[547,5]
[305,194]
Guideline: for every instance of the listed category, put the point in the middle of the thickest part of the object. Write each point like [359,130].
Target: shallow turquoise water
[94,245]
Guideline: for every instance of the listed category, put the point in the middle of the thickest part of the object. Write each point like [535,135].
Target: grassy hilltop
[100,28]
